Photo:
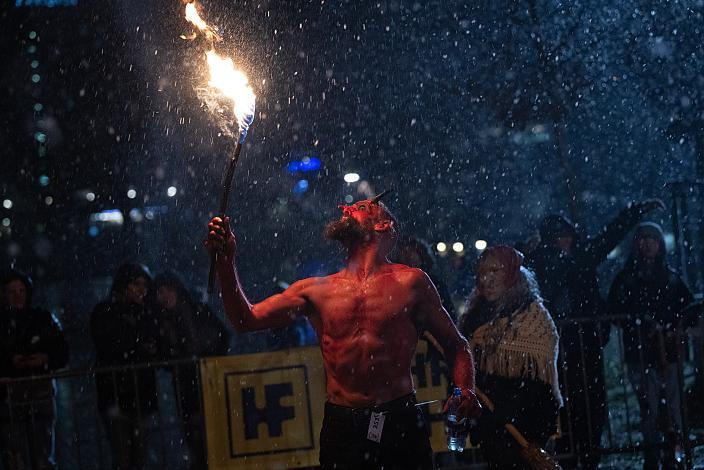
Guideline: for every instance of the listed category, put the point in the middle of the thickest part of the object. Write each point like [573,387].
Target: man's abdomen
[367,370]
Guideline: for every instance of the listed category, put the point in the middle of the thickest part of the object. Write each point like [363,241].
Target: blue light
[46,3]
[310,164]
[44,180]
[108,217]
[301,187]
[306,164]
[93,231]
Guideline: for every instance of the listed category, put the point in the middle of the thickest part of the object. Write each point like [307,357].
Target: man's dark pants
[404,445]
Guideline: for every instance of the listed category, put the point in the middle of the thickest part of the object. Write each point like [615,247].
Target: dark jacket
[191,330]
[653,300]
[125,334]
[527,403]
[568,282]
[26,332]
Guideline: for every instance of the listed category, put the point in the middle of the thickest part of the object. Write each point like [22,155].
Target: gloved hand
[648,205]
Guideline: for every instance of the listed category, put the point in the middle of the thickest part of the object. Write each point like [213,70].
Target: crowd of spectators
[548,308]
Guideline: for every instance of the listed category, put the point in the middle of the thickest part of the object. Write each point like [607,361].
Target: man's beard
[346,231]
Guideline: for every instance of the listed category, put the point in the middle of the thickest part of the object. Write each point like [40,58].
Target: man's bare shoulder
[401,272]
[313,283]
[407,272]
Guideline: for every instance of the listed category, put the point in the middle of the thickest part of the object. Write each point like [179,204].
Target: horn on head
[378,197]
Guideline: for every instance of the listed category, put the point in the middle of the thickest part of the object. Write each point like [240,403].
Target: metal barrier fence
[156,421]
[169,433]
[650,374]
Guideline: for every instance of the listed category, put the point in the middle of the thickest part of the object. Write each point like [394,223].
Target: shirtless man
[368,318]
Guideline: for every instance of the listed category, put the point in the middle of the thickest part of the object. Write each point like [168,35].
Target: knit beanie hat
[649,230]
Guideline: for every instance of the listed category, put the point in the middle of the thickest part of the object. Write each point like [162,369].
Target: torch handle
[224,199]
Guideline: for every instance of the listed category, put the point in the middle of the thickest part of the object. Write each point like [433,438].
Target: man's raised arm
[453,345]
[276,311]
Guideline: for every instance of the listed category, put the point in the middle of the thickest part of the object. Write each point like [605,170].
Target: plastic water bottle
[454,426]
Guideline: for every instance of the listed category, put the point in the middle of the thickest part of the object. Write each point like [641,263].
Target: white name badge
[376,426]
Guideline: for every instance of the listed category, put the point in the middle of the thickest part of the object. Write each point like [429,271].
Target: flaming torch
[230,100]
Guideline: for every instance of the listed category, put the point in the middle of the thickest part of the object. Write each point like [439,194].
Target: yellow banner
[265,410]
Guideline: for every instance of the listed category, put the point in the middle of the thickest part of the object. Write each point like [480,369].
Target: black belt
[361,415]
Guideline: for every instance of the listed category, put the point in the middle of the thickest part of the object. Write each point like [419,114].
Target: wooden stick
[224,199]
[535,457]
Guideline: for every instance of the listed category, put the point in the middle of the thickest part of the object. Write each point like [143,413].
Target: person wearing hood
[125,333]
[515,344]
[654,297]
[187,330]
[565,264]
[31,343]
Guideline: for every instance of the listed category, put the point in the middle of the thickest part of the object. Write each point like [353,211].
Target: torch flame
[232,84]
[193,16]
[225,80]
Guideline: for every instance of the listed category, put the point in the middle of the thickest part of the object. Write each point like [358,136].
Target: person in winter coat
[565,264]
[515,343]
[125,333]
[31,343]
[654,297]
[188,330]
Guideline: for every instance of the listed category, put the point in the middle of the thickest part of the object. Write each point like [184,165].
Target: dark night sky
[453,107]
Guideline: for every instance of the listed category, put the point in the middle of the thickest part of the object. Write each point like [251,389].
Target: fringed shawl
[523,344]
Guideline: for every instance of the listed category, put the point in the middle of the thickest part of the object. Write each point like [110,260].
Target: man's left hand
[468,407]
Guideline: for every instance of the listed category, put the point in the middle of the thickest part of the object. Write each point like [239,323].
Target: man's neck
[365,260]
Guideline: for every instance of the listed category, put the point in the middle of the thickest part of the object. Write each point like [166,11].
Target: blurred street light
[351,177]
